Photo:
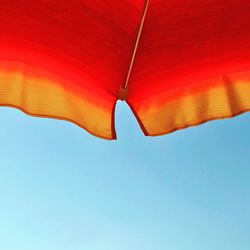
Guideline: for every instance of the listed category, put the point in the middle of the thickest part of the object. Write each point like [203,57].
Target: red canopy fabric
[183,62]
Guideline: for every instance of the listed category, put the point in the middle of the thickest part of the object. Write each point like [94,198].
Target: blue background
[63,189]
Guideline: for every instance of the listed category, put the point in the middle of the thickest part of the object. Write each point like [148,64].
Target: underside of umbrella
[176,63]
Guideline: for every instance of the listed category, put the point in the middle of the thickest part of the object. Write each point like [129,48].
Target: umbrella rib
[125,86]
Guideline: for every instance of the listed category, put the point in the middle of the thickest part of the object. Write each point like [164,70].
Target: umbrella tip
[123,93]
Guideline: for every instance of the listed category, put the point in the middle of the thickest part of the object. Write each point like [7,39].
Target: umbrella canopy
[176,63]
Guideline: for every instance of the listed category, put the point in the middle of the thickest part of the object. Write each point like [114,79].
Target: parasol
[176,63]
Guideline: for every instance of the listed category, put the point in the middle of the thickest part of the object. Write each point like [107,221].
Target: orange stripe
[44,97]
[72,80]
[167,113]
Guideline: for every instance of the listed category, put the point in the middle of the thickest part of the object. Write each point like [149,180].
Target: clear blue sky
[63,189]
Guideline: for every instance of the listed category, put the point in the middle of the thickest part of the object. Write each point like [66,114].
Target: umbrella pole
[124,88]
